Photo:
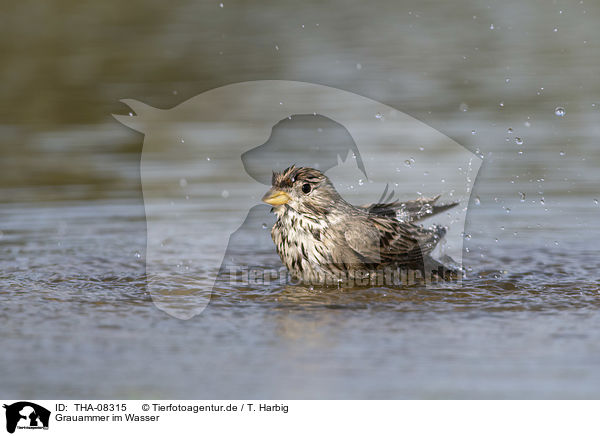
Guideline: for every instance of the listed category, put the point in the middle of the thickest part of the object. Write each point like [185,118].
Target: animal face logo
[24,414]
[207,163]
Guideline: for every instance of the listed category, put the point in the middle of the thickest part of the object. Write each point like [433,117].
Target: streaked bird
[323,239]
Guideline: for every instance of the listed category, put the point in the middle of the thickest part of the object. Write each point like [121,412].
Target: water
[76,315]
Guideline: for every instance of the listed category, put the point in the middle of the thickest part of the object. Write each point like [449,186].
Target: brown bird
[323,239]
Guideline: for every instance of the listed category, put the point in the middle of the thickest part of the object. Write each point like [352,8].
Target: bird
[324,240]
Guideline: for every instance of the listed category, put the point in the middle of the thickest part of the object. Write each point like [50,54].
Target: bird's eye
[306,188]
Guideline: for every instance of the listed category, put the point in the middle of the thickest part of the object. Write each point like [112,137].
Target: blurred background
[514,81]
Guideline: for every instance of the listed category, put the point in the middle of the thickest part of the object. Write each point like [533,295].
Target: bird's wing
[363,238]
[394,241]
[409,211]
[406,241]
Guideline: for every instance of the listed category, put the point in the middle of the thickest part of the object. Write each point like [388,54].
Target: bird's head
[306,190]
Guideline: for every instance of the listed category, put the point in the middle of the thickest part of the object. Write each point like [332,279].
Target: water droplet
[595,201]
[463,107]
[360,182]
[208,159]
[555,29]
[421,148]
[130,114]
[522,194]
[501,104]
[508,210]
[520,152]
[409,162]
[379,116]
[183,183]
[492,26]
[562,153]
[138,255]
[467,236]
[473,132]
[542,200]
[264,226]
[560,111]
[182,140]
[225,193]
[221,5]
[477,201]
[527,124]
[510,130]
[507,80]
[519,141]
[276,47]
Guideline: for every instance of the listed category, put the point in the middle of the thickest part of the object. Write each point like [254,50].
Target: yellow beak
[276,198]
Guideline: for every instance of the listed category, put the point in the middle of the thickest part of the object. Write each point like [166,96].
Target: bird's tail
[441,271]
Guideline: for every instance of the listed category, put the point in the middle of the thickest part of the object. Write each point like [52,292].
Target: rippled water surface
[77,318]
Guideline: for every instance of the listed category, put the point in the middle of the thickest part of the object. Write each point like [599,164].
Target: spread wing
[407,211]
